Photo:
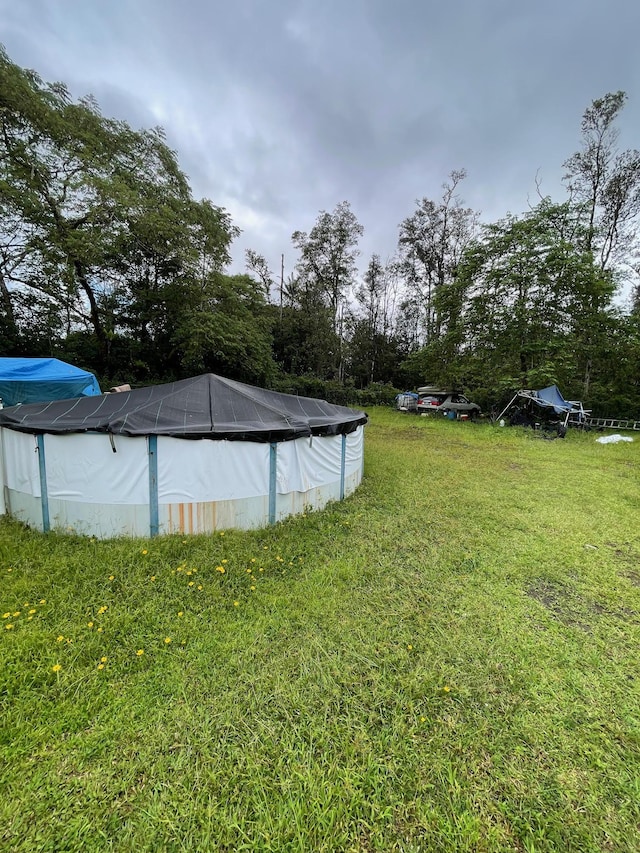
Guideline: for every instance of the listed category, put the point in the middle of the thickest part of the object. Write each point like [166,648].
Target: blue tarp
[552,397]
[39,380]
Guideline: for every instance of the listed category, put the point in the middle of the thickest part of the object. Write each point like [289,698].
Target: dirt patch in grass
[597,608]
[571,608]
[414,433]
[559,601]
[624,552]
[563,604]
[627,555]
[627,613]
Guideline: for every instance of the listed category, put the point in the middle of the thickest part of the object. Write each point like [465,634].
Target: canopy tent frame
[572,411]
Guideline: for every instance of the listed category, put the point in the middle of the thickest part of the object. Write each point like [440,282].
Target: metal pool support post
[273,466]
[343,461]
[154,524]
[44,495]
[3,504]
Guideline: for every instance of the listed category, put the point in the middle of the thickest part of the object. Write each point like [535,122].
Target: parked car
[438,400]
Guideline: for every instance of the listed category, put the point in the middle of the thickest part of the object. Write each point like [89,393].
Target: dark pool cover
[207,406]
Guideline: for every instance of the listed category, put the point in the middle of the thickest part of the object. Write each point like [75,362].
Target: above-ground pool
[193,456]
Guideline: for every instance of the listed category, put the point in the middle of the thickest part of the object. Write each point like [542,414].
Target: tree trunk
[11,325]
[587,378]
[524,369]
[98,328]
[5,298]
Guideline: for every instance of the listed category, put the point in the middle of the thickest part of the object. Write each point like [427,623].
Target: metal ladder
[613,423]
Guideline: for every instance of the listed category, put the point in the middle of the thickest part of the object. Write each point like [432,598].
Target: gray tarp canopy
[207,406]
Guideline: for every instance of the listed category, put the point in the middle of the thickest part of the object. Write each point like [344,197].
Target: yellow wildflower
[144,551]
[224,561]
[446,688]
[112,577]
[59,639]
[140,652]
[253,559]
[153,577]
[180,613]
[89,624]
[103,659]
[31,612]
[409,646]
[43,601]
[191,583]
[189,573]
[56,667]
[17,613]
[6,615]
[200,587]
[100,666]
[167,640]
[100,630]
[236,603]
[8,627]
[220,569]
[252,586]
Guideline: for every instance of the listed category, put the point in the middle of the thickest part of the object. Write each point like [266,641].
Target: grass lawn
[447,661]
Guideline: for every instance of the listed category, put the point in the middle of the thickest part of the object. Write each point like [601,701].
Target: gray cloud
[280,109]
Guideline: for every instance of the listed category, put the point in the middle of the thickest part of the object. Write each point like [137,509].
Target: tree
[226,329]
[430,246]
[257,264]
[167,264]
[304,337]
[99,229]
[304,341]
[534,301]
[374,347]
[69,179]
[605,183]
[326,269]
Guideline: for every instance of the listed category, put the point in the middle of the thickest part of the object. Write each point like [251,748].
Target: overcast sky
[281,108]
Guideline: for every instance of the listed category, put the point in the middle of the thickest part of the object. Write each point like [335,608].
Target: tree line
[107,260]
